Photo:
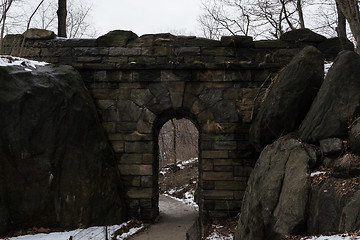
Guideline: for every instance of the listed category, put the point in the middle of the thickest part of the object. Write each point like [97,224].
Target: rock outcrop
[337,102]
[276,198]
[56,166]
[289,98]
[282,196]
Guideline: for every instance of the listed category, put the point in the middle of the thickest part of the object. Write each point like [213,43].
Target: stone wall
[138,83]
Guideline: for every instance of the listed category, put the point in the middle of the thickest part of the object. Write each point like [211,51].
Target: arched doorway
[177,155]
[178,160]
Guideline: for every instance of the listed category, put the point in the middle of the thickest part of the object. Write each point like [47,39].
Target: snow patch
[29,65]
[333,237]
[327,66]
[313,174]
[217,235]
[93,233]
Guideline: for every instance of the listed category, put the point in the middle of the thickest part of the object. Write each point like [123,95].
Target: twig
[257,95]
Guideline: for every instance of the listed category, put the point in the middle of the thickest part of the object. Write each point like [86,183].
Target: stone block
[205,116]
[142,170]
[208,185]
[109,127]
[219,51]
[144,127]
[230,185]
[148,159]
[119,94]
[209,205]
[209,75]
[227,162]
[132,158]
[331,146]
[207,164]
[240,171]
[115,137]
[124,51]
[138,147]
[214,154]
[223,168]
[99,93]
[147,181]
[227,205]
[225,145]
[106,104]
[217,176]
[141,96]
[125,127]
[140,193]
[197,107]
[116,38]
[132,203]
[146,203]
[175,75]
[118,146]
[214,194]
[131,181]
[157,51]
[89,59]
[270,44]
[239,195]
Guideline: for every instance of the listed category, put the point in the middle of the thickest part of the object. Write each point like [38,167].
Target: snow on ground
[333,237]
[182,164]
[217,234]
[313,174]
[29,65]
[92,233]
[188,200]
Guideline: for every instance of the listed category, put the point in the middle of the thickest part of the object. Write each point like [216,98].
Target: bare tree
[62,12]
[178,140]
[341,23]
[5,6]
[350,9]
[266,18]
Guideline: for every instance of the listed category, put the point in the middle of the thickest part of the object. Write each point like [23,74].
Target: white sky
[146,16]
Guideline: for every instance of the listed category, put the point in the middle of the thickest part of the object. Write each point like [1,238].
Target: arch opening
[178,143]
[187,159]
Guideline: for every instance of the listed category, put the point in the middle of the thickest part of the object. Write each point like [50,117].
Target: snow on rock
[7,60]
[327,66]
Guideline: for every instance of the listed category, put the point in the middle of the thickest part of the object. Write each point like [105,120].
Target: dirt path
[174,220]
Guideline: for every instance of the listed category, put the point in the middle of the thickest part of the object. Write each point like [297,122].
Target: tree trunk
[341,25]
[175,136]
[62,12]
[301,14]
[350,9]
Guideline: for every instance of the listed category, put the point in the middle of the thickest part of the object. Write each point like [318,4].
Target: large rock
[337,102]
[302,35]
[354,136]
[116,38]
[56,166]
[276,197]
[334,207]
[289,99]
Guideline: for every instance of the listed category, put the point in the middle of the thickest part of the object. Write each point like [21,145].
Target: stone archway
[157,126]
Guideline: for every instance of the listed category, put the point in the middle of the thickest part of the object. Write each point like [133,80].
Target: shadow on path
[174,221]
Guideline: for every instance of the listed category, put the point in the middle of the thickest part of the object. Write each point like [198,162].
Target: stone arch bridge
[138,83]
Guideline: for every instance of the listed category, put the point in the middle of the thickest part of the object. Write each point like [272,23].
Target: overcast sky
[146,16]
